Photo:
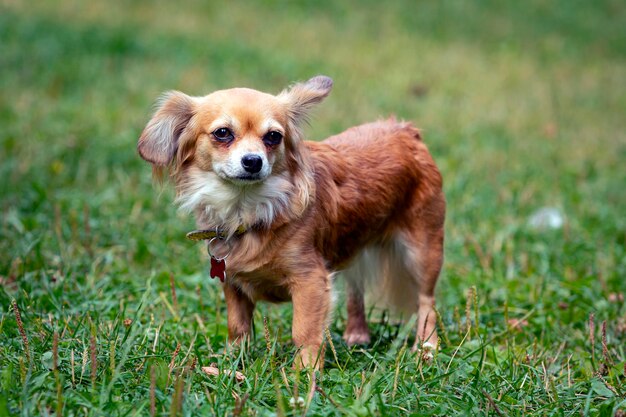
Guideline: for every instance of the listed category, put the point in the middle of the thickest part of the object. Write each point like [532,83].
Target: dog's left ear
[298,100]
[301,97]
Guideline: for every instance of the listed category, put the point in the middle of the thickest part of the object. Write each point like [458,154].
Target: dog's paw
[356,338]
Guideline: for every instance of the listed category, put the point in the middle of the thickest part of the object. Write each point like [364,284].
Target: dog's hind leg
[426,314]
[423,257]
[357,332]
[412,262]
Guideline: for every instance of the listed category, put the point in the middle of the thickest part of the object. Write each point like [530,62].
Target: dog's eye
[223,134]
[273,138]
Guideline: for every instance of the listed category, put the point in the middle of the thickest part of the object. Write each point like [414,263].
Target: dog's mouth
[245,179]
[240,177]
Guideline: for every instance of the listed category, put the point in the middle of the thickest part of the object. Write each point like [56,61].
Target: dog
[288,214]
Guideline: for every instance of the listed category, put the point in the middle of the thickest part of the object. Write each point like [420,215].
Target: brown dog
[290,213]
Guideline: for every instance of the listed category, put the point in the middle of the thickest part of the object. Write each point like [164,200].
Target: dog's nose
[252,163]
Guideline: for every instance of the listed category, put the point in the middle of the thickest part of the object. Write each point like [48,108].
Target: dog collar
[206,234]
[218,264]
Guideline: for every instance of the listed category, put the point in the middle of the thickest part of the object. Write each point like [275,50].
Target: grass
[522,105]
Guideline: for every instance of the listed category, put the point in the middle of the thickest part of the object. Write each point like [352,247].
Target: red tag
[218,269]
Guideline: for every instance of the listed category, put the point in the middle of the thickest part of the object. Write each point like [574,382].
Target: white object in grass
[547,218]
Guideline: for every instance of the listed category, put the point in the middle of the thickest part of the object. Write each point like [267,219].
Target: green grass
[522,105]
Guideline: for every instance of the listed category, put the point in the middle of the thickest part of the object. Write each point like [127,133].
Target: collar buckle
[208,234]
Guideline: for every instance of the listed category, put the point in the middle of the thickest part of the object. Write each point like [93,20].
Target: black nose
[252,163]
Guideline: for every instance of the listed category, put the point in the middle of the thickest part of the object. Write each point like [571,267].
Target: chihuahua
[283,214]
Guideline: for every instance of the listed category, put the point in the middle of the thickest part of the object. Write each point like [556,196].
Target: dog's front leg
[311,296]
[239,310]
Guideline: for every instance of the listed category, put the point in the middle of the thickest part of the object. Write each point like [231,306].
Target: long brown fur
[368,200]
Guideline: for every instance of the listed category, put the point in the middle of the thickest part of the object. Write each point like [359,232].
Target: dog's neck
[220,204]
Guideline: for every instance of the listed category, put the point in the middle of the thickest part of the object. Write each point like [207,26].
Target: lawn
[105,308]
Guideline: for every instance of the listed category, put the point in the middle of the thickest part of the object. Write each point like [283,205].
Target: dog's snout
[252,163]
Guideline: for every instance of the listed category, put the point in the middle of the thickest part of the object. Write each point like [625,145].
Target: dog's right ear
[159,140]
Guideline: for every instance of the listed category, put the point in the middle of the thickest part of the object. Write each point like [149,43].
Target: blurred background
[522,104]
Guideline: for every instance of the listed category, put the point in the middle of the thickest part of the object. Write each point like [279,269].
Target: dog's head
[232,143]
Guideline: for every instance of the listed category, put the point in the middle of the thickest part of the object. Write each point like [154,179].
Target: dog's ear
[159,140]
[298,100]
[301,97]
